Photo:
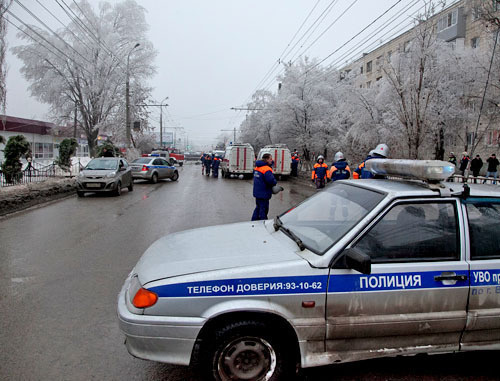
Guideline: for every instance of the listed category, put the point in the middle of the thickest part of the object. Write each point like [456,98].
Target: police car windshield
[102,164]
[322,220]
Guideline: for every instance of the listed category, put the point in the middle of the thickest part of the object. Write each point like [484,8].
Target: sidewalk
[19,197]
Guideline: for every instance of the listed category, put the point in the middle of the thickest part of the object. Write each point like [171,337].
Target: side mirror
[357,260]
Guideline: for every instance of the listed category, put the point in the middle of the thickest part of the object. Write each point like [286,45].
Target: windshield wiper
[278,225]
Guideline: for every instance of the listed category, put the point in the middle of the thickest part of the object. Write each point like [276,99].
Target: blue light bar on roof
[429,170]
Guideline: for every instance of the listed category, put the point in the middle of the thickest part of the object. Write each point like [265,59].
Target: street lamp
[161,123]
[127,97]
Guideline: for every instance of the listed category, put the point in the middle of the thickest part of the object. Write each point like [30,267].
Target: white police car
[363,269]
[153,168]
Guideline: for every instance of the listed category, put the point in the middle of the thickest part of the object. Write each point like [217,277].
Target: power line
[43,38]
[65,26]
[50,30]
[278,61]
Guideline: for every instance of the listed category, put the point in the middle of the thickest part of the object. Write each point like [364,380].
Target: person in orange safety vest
[320,173]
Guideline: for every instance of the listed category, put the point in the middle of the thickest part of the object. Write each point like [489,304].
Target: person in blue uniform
[263,182]
[208,164]
[320,173]
[339,169]
[215,166]
[295,165]
[381,151]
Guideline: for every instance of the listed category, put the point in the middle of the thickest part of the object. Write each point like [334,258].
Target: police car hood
[211,248]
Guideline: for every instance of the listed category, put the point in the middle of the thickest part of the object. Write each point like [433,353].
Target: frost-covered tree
[85,66]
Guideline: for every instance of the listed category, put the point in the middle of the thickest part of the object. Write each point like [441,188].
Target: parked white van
[282,158]
[238,159]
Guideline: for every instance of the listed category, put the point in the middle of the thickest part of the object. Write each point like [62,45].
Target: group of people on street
[340,170]
[210,163]
[475,166]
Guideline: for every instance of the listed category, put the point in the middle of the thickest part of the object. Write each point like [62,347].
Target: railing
[474,180]
[36,173]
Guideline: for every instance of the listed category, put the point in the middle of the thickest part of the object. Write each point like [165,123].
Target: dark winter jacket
[476,164]
[339,170]
[464,162]
[362,172]
[215,163]
[492,164]
[320,171]
[263,180]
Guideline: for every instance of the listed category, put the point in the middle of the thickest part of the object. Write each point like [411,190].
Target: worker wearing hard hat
[339,169]
[320,173]
[381,151]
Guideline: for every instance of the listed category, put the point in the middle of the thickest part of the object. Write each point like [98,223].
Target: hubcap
[247,358]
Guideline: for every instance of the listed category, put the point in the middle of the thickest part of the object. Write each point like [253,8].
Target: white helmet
[320,157]
[339,156]
[381,150]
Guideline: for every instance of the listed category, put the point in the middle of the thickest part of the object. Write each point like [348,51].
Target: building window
[448,20]
[361,69]
[44,150]
[406,47]
[470,138]
[493,138]
[474,43]
[369,67]
[368,84]
[476,13]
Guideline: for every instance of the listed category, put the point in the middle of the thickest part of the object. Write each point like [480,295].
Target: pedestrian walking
[475,166]
[263,183]
[208,164]
[464,164]
[492,168]
[320,172]
[295,165]
[215,166]
[339,169]
[381,151]
[202,159]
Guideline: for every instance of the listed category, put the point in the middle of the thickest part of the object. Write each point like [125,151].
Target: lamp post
[161,119]
[127,97]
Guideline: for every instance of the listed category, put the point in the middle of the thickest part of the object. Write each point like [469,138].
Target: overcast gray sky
[213,54]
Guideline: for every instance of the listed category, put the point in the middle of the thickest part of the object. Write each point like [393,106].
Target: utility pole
[234,131]
[127,98]
[161,116]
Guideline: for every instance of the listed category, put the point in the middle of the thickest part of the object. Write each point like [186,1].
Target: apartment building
[458,24]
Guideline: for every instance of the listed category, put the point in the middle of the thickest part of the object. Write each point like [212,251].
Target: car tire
[248,350]
[80,193]
[131,186]
[154,178]
[118,190]
[175,176]
[171,162]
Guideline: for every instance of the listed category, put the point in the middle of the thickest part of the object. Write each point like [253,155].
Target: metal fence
[36,173]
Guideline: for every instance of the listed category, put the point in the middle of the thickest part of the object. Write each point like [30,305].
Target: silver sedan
[153,168]
[105,174]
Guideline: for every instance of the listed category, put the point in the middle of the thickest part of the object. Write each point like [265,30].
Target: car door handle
[442,277]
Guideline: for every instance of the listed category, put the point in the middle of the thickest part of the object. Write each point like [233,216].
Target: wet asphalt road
[62,266]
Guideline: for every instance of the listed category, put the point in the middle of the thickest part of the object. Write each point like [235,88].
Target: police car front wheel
[250,351]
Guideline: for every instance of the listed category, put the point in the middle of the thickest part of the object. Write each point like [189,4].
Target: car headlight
[111,174]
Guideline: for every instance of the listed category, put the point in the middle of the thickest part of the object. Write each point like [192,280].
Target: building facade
[460,25]
[43,137]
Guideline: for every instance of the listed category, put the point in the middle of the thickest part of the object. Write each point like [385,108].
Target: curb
[31,195]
